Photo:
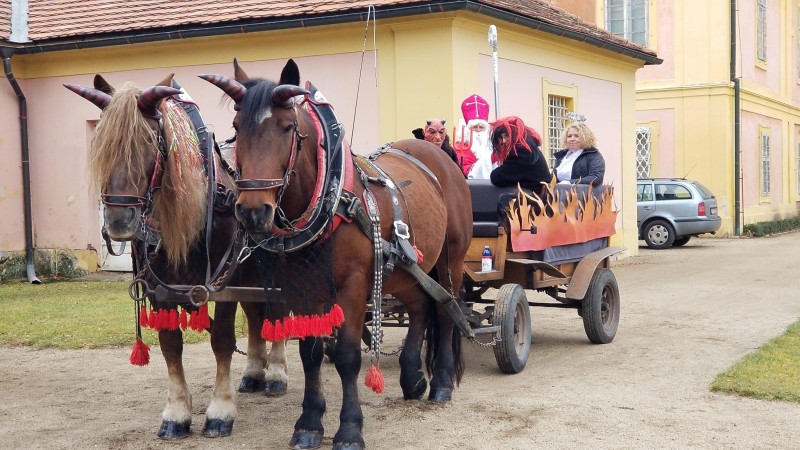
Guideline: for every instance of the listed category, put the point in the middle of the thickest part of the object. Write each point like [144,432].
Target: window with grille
[628,19]
[764,164]
[557,108]
[761,30]
[643,152]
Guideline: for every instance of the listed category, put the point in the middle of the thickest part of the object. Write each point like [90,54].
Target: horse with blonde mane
[147,161]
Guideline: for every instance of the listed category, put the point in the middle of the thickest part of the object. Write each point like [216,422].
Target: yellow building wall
[694,40]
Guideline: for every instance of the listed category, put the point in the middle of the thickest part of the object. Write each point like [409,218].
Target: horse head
[270,128]
[125,157]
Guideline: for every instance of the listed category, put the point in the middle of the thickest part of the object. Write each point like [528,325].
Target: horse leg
[348,363]
[412,378]
[177,416]
[448,365]
[308,429]
[222,411]
[276,380]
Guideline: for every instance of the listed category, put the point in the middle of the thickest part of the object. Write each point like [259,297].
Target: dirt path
[687,314]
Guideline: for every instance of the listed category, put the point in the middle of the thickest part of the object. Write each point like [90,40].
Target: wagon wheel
[512,314]
[600,308]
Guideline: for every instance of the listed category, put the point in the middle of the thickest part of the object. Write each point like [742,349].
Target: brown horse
[278,183]
[146,160]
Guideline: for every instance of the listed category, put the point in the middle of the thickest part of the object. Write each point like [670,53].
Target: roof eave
[269,24]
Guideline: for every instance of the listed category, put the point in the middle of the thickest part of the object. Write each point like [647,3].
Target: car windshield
[703,190]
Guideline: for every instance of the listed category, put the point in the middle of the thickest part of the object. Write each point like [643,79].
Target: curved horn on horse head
[98,97]
[148,100]
[283,93]
[233,88]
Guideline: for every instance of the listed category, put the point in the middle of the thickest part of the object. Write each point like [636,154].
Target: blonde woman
[580,162]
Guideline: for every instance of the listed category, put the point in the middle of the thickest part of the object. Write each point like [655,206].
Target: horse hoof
[306,439]
[440,395]
[174,430]
[274,388]
[217,428]
[250,384]
[348,446]
[417,391]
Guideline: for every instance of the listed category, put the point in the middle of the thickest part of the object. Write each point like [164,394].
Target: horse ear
[102,85]
[166,81]
[290,74]
[238,73]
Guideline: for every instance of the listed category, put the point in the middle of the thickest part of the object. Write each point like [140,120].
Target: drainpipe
[737,124]
[26,172]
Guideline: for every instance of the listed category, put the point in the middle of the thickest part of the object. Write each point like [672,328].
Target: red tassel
[337,315]
[374,379]
[205,321]
[420,256]
[152,319]
[183,320]
[279,331]
[173,319]
[268,331]
[163,319]
[143,316]
[140,355]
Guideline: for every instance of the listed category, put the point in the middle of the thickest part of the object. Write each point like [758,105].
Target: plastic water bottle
[486,260]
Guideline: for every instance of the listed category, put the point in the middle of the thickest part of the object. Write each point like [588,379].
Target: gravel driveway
[687,314]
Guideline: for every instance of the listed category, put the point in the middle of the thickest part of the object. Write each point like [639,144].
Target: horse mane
[180,207]
[254,104]
[124,137]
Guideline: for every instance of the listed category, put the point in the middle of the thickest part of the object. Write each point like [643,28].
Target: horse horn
[98,97]
[233,88]
[148,100]
[284,92]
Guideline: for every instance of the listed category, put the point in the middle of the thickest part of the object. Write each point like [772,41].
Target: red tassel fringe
[303,326]
[374,379]
[420,256]
[140,355]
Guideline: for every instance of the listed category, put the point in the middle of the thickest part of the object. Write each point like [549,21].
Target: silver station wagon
[672,210]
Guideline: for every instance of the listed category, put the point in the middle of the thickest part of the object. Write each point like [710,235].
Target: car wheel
[681,241]
[659,234]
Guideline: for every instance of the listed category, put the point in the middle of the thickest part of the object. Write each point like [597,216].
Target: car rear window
[703,191]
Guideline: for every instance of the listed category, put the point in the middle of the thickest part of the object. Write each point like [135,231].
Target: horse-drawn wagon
[570,264]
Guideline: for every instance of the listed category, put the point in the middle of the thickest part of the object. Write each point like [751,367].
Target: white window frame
[629,22]
[797,170]
[643,152]
[765,162]
[557,109]
[761,30]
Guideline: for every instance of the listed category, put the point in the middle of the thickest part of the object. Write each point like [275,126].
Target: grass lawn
[75,314]
[772,372]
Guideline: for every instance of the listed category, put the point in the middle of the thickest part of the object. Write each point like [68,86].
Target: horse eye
[288,128]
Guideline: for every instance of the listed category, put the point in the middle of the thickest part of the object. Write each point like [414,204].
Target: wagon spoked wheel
[600,308]
[513,315]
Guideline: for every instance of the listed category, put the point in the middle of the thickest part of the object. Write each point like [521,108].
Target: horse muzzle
[256,219]
[122,222]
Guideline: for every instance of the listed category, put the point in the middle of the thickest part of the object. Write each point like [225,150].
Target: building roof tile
[65,20]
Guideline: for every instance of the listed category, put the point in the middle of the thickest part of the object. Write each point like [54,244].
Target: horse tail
[433,333]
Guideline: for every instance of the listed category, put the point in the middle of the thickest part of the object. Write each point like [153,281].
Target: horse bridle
[266,184]
[145,202]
